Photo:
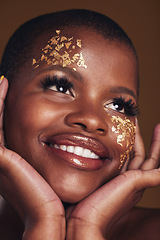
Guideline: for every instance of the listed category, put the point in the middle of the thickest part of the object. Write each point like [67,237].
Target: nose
[88,119]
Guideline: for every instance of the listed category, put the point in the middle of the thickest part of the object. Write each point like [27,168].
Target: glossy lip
[77,140]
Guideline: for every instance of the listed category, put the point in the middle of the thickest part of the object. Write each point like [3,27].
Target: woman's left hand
[93,217]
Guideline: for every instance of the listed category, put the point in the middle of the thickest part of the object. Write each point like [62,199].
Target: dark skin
[56,199]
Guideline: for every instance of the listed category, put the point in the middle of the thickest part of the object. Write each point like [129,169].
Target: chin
[73,195]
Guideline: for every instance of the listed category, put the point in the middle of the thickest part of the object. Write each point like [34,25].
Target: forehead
[95,51]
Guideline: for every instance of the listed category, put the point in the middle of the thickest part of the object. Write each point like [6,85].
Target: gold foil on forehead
[68,44]
[126,130]
[58,31]
[81,61]
[63,38]
[60,50]
[79,44]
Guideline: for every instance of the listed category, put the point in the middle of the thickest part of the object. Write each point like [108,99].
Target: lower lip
[76,161]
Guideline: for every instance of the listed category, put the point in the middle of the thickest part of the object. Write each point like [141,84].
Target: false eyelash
[129,107]
[53,81]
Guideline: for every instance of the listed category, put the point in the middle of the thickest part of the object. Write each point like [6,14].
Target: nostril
[81,125]
[101,131]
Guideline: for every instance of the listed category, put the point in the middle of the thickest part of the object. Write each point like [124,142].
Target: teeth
[76,150]
[63,147]
[87,153]
[93,155]
[70,149]
[55,146]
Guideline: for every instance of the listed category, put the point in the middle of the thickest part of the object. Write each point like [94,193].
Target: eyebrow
[119,89]
[67,70]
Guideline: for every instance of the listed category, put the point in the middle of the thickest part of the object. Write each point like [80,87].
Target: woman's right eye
[57,84]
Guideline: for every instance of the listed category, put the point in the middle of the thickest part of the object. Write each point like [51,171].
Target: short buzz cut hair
[21,44]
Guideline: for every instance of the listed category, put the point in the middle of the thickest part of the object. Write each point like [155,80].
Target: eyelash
[62,84]
[121,105]
[124,106]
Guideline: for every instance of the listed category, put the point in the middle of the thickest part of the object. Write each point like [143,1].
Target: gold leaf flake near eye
[120,139]
[126,130]
[73,47]
[125,156]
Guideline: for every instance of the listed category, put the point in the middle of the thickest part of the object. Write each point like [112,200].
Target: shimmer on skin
[58,52]
[126,133]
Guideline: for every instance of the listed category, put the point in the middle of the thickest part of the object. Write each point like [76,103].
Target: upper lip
[79,140]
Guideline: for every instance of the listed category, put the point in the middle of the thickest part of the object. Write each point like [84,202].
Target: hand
[94,216]
[35,201]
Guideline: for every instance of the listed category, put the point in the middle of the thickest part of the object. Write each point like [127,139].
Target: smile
[77,151]
[83,152]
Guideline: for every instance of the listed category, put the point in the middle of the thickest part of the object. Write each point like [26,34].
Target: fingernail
[1,79]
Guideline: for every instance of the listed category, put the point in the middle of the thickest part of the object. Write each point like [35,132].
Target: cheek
[124,132]
[30,116]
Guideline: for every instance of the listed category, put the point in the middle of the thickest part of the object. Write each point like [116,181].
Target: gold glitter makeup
[67,46]
[125,129]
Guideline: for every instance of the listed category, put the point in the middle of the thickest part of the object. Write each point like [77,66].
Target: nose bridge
[90,117]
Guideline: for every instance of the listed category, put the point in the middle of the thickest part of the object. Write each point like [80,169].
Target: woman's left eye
[57,84]
[116,107]
[123,106]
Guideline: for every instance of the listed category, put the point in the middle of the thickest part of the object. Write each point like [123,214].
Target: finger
[139,151]
[153,158]
[24,188]
[108,201]
[3,92]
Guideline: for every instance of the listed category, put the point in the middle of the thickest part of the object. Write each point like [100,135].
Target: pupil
[61,89]
[118,107]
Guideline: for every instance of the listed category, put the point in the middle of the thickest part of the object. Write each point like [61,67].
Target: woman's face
[73,121]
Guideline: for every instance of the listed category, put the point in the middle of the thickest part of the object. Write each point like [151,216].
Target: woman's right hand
[39,207]
[96,216]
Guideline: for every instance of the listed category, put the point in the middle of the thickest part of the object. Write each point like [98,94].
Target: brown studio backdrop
[140,19]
